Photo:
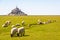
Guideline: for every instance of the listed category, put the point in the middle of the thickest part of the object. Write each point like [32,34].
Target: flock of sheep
[21,30]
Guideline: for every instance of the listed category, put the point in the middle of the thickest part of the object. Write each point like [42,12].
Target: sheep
[13,31]
[6,24]
[54,20]
[40,22]
[44,23]
[21,31]
[23,22]
[29,25]
[17,24]
[49,21]
[13,26]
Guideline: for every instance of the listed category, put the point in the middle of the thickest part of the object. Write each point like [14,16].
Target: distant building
[17,11]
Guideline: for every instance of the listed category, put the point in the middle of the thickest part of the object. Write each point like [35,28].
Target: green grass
[49,31]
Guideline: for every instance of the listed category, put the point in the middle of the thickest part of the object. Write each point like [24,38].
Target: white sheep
[21,31]
[44,22]
[23,22]
[13,31]
[49,21]
[8,22]
[13,26]
[40,22]
[17,24]
[4,25]
[29,25]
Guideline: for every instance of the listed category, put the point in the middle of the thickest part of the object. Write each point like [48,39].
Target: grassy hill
[49,31]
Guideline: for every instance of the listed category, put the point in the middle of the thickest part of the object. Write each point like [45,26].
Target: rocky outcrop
[17,11]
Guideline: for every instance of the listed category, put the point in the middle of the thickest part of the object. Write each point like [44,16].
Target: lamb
[13,31]
[21,31]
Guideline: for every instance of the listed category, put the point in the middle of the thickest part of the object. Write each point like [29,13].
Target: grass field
[49,31]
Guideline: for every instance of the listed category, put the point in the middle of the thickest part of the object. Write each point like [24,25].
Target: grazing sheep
[40,22]
[29,25]
[4,25]
[21,31]
[13,31]
[49,21]
[23,22]
[17,24]
[8,22]
[54,20]
[13,26]
[44,23]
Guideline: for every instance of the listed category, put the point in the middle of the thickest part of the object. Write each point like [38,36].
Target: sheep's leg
[17,34]
[11,35]
[23,33]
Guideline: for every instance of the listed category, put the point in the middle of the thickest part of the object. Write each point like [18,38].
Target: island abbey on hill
[17,11]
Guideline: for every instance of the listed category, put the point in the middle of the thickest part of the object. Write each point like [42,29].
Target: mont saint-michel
[17,11]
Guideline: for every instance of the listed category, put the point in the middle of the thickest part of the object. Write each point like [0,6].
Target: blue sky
[31,7]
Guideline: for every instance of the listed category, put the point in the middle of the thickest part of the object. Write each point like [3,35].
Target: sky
[31,7]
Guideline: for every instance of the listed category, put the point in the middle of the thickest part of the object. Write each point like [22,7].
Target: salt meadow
[50,31]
